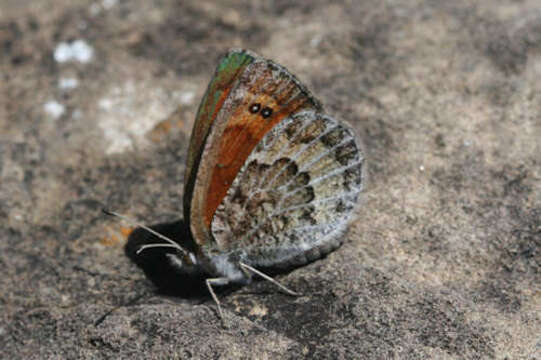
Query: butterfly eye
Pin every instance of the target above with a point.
(266, 112)
(254, 108)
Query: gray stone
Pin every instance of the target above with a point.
(443, 261)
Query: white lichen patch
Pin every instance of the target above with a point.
(77, 50)
(128, 112)
(54, 109)
(107, 4)
(68, 83)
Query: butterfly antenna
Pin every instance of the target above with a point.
(170, 243)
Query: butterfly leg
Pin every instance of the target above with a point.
(217, 282)
(268, 278)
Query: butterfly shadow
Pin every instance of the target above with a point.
(155, 263)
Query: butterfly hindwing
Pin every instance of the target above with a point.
(296, 192)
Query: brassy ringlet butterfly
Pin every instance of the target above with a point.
(271, 181)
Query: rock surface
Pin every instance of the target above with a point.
(97, 100)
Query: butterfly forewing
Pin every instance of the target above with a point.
(225, 77)
(263, 95)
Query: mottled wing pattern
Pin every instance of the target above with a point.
(263, 95)
(292, 199)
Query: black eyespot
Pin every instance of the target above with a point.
(254, 108)
(266, 112)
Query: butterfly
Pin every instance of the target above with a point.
(271, 181)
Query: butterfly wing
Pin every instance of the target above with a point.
(257, 97)
(294, 196)
(227, 72)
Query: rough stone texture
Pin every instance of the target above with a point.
(443, 261)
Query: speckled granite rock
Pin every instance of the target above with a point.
(97, 102)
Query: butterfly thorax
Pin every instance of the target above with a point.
(216, 263)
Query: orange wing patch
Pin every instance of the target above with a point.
(269, 98)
